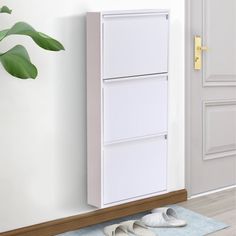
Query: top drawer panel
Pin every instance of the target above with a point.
(135, 44)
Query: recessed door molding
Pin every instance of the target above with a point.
(219, 141)
(219, 60)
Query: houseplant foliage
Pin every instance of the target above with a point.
(16, 61)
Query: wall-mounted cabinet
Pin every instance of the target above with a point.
(127, 97)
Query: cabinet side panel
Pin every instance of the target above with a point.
(94, 178)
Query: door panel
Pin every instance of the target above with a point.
(135, 45)
(135, 108)
(124, 169)
(219, 33)
(219, 140)
(213, 97)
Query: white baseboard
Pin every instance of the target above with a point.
(211, 192)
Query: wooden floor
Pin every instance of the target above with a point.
(220, 206)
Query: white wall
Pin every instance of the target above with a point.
(43, 122)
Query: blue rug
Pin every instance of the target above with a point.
(198, 225)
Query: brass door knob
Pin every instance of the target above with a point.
(198, 49)
(203, 48)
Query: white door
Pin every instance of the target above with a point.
(211, 96)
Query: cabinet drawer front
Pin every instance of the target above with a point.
(135, 45)
(135, 108)
(134, 169)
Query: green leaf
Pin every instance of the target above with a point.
(41, 39)
(5, 9)
(3, 34)
(17, 62)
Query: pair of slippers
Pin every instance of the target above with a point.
(160, 217)
(135, 227)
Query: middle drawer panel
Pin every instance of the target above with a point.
(135, 107)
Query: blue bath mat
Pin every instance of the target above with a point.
(198, 225)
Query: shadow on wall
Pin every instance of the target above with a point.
(70, 114)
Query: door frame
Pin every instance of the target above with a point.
(188, 68)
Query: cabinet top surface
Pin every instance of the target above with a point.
(143, 11)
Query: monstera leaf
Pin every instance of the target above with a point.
(17, 62)
(5, 9)
(41, 39)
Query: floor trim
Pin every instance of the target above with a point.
(212, 192)
(76, 222)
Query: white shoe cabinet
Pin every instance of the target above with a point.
(127, 100)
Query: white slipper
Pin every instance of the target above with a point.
(115, 230)
(171, 215)
(160, 219)
(137, 228)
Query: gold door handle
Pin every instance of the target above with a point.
(198, 48)
(202, 48)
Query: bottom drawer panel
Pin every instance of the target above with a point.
(134, 169)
